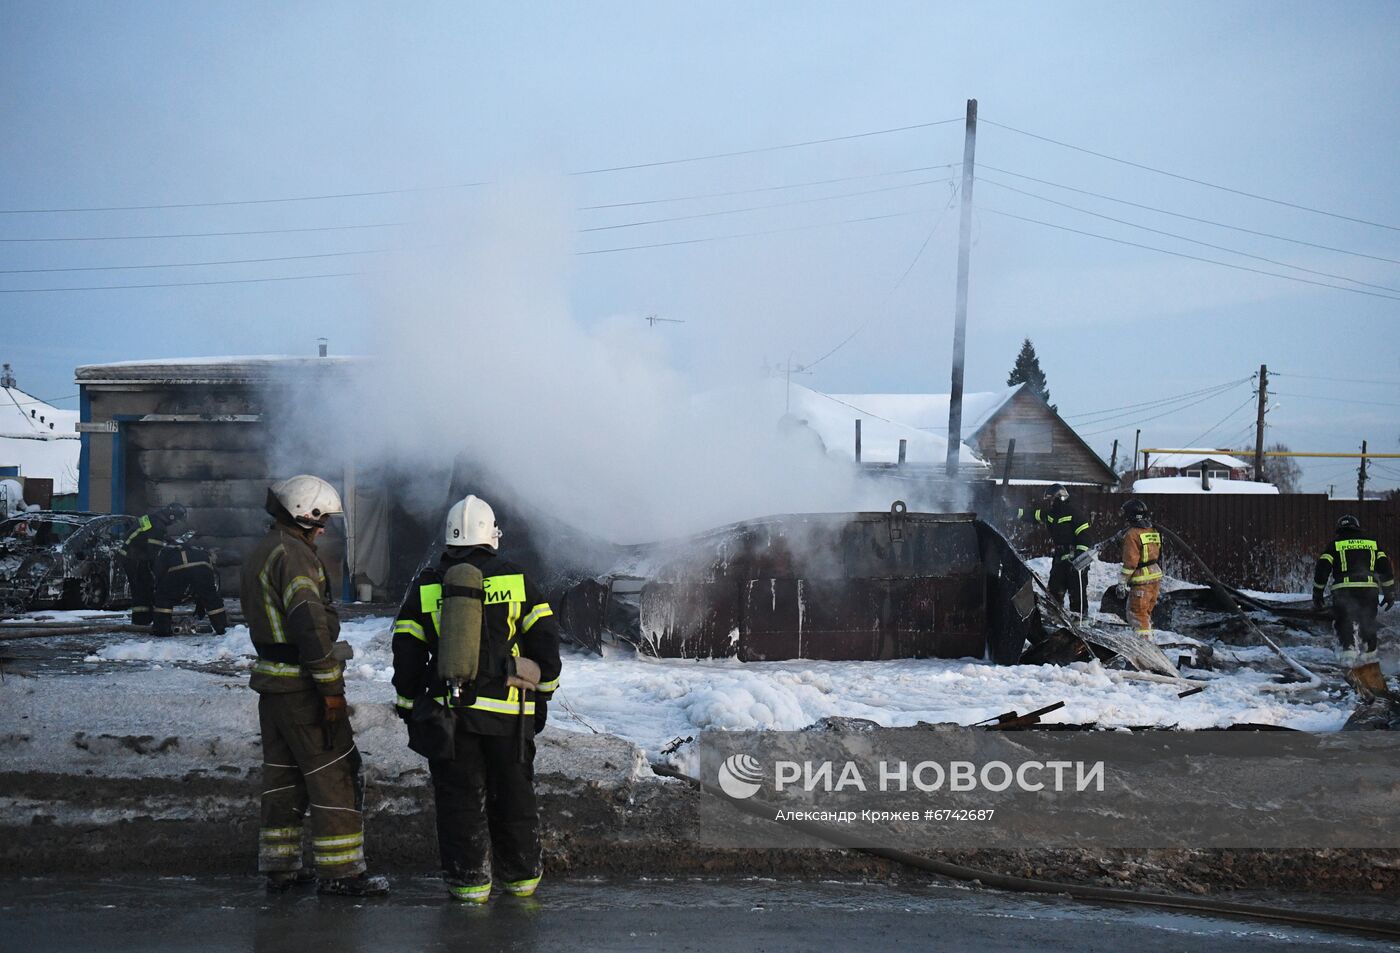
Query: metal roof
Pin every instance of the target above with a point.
(212, 370)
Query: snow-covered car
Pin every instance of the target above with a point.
(64, 560)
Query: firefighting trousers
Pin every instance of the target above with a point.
(487, 818)
(309, 765)
(1353, 616)
(1064, 580)
(143, 589)
(187, 583)
(1142, 599)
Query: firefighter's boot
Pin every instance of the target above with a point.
(283, 880)
(361, 885)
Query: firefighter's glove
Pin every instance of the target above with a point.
(1318, 602)
(335, 709)
(1121, 590)
(526, 674)
(1388, 598)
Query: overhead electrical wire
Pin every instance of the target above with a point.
(467, 185)
(758, 208)
(1189, 218)
(768, 188)
(1221, 422)
(1178, 254)
(1166, 413)
(1335, 380)
(1194, 241)
(183, 284)
(255, 231)
(199, 264)
(1194, 181)
(895, 287)
(770, 231)
(1339, 400)
(1126, 410)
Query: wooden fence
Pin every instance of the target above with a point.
(1249, 541)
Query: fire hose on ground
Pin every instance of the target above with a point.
(988, 878)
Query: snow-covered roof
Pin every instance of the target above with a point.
(1184, 484)
(39, 439)
(1191, 456)
(833, 418)
(208, 370)
(930, 411)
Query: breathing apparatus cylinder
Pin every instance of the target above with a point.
(459, 627)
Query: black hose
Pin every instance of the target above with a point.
(1247, 911)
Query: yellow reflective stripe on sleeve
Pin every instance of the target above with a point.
(1063, 519)
(549, 686)
(1325, 557)
(507, 588)
(274, 613)
(328, 676)
(409, 627)
(401, 702)
(264, 667)
(536, 614)
(501, 706)
(300, 582)
(1080, 528)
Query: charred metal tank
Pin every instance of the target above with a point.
(832, 586)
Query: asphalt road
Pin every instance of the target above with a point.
(753, 916)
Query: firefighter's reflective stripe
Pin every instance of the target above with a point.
(1062, 519)
(342, 849)
(522, 888)
(331, 675)
(409, 627)
(280, 844)
(1356, 584)
(430, 601)
(1147, 569)
(263, 667)
(507, 588)
(274, 614)
(476, 893)
(142, 525)
(1366, 546)
(401, 702)
(535, 615)
(549, 686)
(189, 565)
(295, 586)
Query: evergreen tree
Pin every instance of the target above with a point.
(1027, 370)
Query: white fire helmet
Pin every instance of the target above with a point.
(471, 522)
(308, 499)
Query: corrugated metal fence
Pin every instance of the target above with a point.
(1250, 542)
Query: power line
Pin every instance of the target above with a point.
(1194, 241)
(181, 284)
(756, 208)
(1339, 400)
(766, 188)
(749, 152)
(895, 287)
(1195, 441)
(1175, 410)
(256, 231)
(1186, 178)
(467, 185)
(198, 264)
(1338, 380)
(1156, 401)
(1178, 254)
(771, 231)
(1191, 218)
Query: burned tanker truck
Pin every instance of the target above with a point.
(830, 586)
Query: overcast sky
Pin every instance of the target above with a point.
(139, 104)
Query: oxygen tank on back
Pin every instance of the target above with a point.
(459, 627)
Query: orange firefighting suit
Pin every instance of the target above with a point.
(1142, 572)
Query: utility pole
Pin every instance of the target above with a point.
(789, 370)
(1259, 424)
(1113, 459)
(960, 311)
(1137, 439)
(1361, 476)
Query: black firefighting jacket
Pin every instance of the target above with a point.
(515, 621)
(146, 541)
(1067, 527)
(1353, 561)
(291, 618)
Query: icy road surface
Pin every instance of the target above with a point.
(168, 914)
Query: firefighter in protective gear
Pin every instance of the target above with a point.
(483, 780)
(309, 754)
(1141, 581)
(1069, 536)
(139, 554)
(1358, 571)
(183, 573)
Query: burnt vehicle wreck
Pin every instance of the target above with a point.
(63, 560)
(830, 586)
